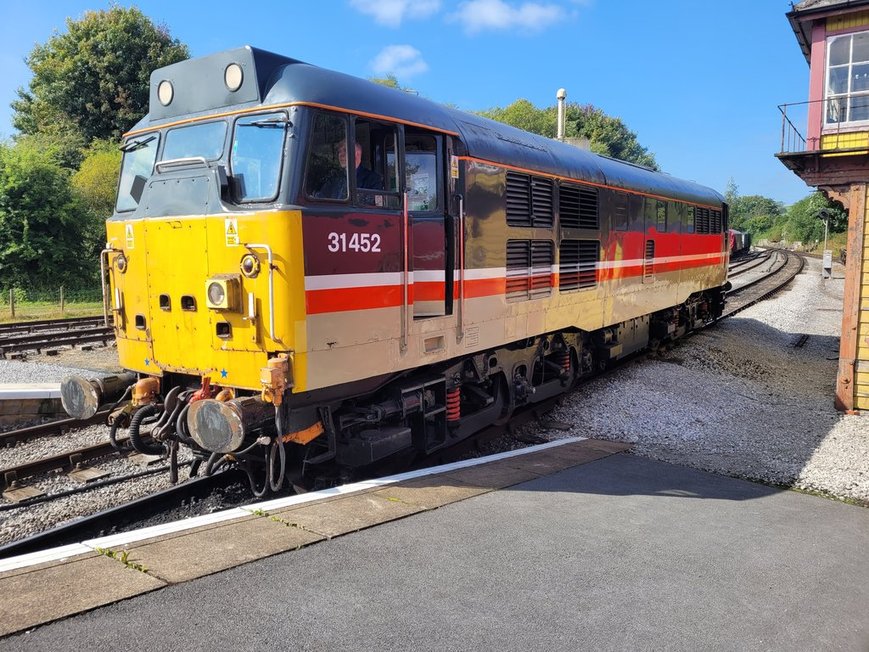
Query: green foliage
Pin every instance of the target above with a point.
(606, 135)
(96, 74)
(390, 81)
(522, 114)
(767, 219)
(43, 224)
(803, 223)
(753, 213)
(96, 180)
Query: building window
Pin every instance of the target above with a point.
(847, 90)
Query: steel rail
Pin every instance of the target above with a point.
(794, 264)
(62, 461)
(44, 341)
(48, 324)
(126, 516)
(57, 427)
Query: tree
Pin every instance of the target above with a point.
(803, 222)
(606, 135)
(96, 180)
(43, 225)
(522, 114)
(95, 77)
(753, 213)
(731, 194)
(95, 183)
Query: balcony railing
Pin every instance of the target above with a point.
(837, 123)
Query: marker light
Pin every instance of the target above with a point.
(250, 266)
(233, 76)
(165, 92)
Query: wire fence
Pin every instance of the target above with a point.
(30, 303)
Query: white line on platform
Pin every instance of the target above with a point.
(126, 538)
(42, 556)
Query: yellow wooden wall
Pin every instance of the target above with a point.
(850, 141)
(861, 367)
(848, 21)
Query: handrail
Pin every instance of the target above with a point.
(405, 225)
(250, 247)
(104, 257)
(180, 162)
(815, 113)
(461, 237)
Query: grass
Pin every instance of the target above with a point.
(122, 556)
(35, 310)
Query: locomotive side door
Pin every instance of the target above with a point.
(431, 259)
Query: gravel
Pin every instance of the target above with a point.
(740, 399)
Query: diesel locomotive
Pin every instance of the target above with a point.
(309, 273)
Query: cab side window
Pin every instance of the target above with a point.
(326, 172)
(376, 182)
(421, 171)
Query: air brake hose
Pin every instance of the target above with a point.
(135, 438)
(276, 484)
(113, 438)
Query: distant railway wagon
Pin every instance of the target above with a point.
(739, 242)
(309, 273)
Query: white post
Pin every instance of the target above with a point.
(561, 95)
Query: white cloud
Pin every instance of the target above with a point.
(403, 61)
(392, 12)
(478, 15)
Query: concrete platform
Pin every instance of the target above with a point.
(23, 401)
(185, 550)
(595, 550)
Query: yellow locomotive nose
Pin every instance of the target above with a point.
(197, 298)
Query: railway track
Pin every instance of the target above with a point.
(43, 325)
(782, 271)
(45, 337)
(748, 262)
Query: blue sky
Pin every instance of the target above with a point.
(698, 81)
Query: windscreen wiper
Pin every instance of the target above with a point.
(267, 122)
(133, 145)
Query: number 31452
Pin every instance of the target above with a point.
(364, 242)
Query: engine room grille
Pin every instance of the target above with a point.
(541, 202)
(529, 269)
(542, 259)
(702, 221)
(529, 200)
(649, 261)
(578, 207)
(577, 266)
(715, 221)
(518, 199)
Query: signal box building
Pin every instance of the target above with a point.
(825, 141)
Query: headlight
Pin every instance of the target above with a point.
(121, 263)
(223, 292)
(216, 294)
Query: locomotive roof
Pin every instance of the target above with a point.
(271, 79)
